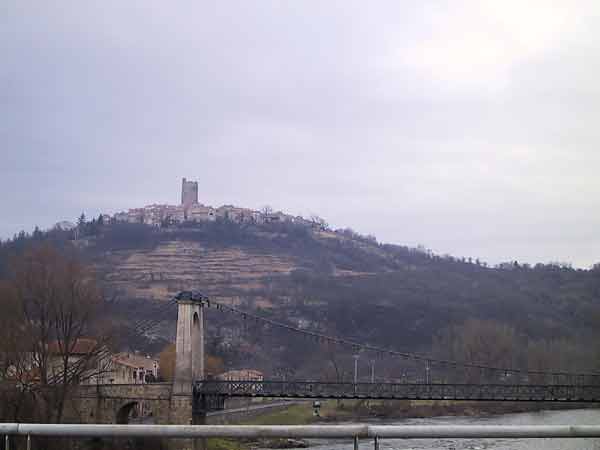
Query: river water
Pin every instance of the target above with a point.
(572, 417)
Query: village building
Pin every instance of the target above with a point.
(135, 215)
(101, 367)
(120, 217)
(278, 217)
(174, 214)
(201, 213)
(85, 352)
(131, 368)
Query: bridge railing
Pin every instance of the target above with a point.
(308, 389)
(350, 431)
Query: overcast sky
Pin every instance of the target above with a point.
(469, 127)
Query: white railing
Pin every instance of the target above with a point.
(355, 432)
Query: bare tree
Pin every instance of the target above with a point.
(334, 358)
(15, 362)
(479, 342)
(58, 300)
(558, 355)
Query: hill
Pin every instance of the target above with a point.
(343, 284)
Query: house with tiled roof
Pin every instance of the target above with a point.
(131, 368)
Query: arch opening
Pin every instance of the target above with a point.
(195, 319)
(127, 412)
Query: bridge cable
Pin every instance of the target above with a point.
(383, 351)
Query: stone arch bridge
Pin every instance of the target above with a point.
(114, 403)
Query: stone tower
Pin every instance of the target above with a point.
(189, 193)
(189, 360)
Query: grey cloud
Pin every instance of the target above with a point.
(327, 107)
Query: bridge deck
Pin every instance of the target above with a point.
(397, 391)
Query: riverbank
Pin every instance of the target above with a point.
(403, 409)
(363, 410)
(360, 411)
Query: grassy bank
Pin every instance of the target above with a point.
(360, 410)
(357, 410)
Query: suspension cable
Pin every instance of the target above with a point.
(385, 351)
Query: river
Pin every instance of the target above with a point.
(578, 417)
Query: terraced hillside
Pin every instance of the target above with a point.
(177, 265)
(227, 265)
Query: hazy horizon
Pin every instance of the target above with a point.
(466, 127)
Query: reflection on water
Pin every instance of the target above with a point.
(573, 417)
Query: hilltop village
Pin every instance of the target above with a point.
(190, 210)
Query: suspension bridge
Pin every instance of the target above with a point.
(191, 395)
(495, 383)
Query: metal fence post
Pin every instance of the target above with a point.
(28, 442)
(355, 442)
(6, 443)
(375, 443)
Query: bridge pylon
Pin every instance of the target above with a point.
(189, 347)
